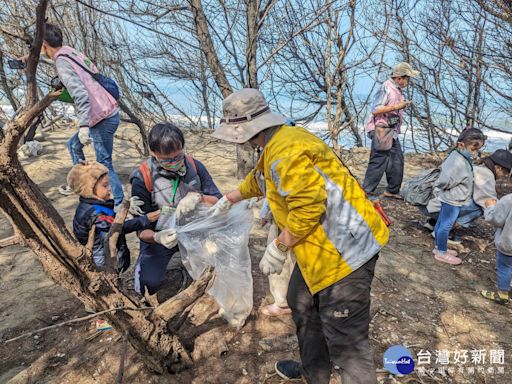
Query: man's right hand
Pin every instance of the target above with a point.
(83, 136)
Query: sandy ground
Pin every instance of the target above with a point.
(430, 307)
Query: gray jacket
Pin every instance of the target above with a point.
(484, 188)
(455, 182)
(500, 215)
(76, 89)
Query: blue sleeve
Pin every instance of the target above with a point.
(137, 224)
(208, 187)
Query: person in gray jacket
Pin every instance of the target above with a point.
(455, 185)
(499, 214)
(96, 108)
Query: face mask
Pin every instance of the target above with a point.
(469, 154)
(176, 165)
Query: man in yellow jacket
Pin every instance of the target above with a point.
(329, 224)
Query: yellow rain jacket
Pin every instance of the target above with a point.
(312, 194)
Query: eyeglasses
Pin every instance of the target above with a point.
(180, 157)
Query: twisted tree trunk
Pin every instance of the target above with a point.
(67, 262)
(244, 161)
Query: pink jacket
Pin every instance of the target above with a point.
(388, 94)
(97, 104)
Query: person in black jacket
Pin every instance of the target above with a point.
(175, 183)
(91, 182)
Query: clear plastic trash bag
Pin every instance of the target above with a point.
(221, 241)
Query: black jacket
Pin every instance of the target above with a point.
(100, 213)
(208, 187)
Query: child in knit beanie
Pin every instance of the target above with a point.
(89, 180)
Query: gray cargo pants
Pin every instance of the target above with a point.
(391, 163)
(332, 327)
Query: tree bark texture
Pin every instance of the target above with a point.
(243, 154)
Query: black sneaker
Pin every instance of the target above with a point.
(288, 369)
(454, 239)
(430, 224)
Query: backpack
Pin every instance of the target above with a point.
(418, 190)
(145, 171)
(106, 82)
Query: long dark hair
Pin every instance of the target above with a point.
(487, 161)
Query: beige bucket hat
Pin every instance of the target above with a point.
(404, 69)
(245, 114)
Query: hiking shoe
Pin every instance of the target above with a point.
(65, 190)
(288, 369)
(430, 224)
(495, 296)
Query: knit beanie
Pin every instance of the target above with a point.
(503, 158)
(83, 177)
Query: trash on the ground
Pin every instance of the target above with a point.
(30, 149)
(102, 325)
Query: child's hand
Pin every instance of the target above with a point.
(490, 202)
(153, 216)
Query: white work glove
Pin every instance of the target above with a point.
(273, 259)
(83, 136)
(168, 238)
(252, 202)
(220, 206)
(135, 206)
(188, 204)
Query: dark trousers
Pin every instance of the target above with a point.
(391, 163)
(151, 267)
(332, 327)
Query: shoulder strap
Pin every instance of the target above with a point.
(146, 175)
(77, 63)
(192, 162)
(146, 172)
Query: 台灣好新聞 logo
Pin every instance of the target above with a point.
(398, 360)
